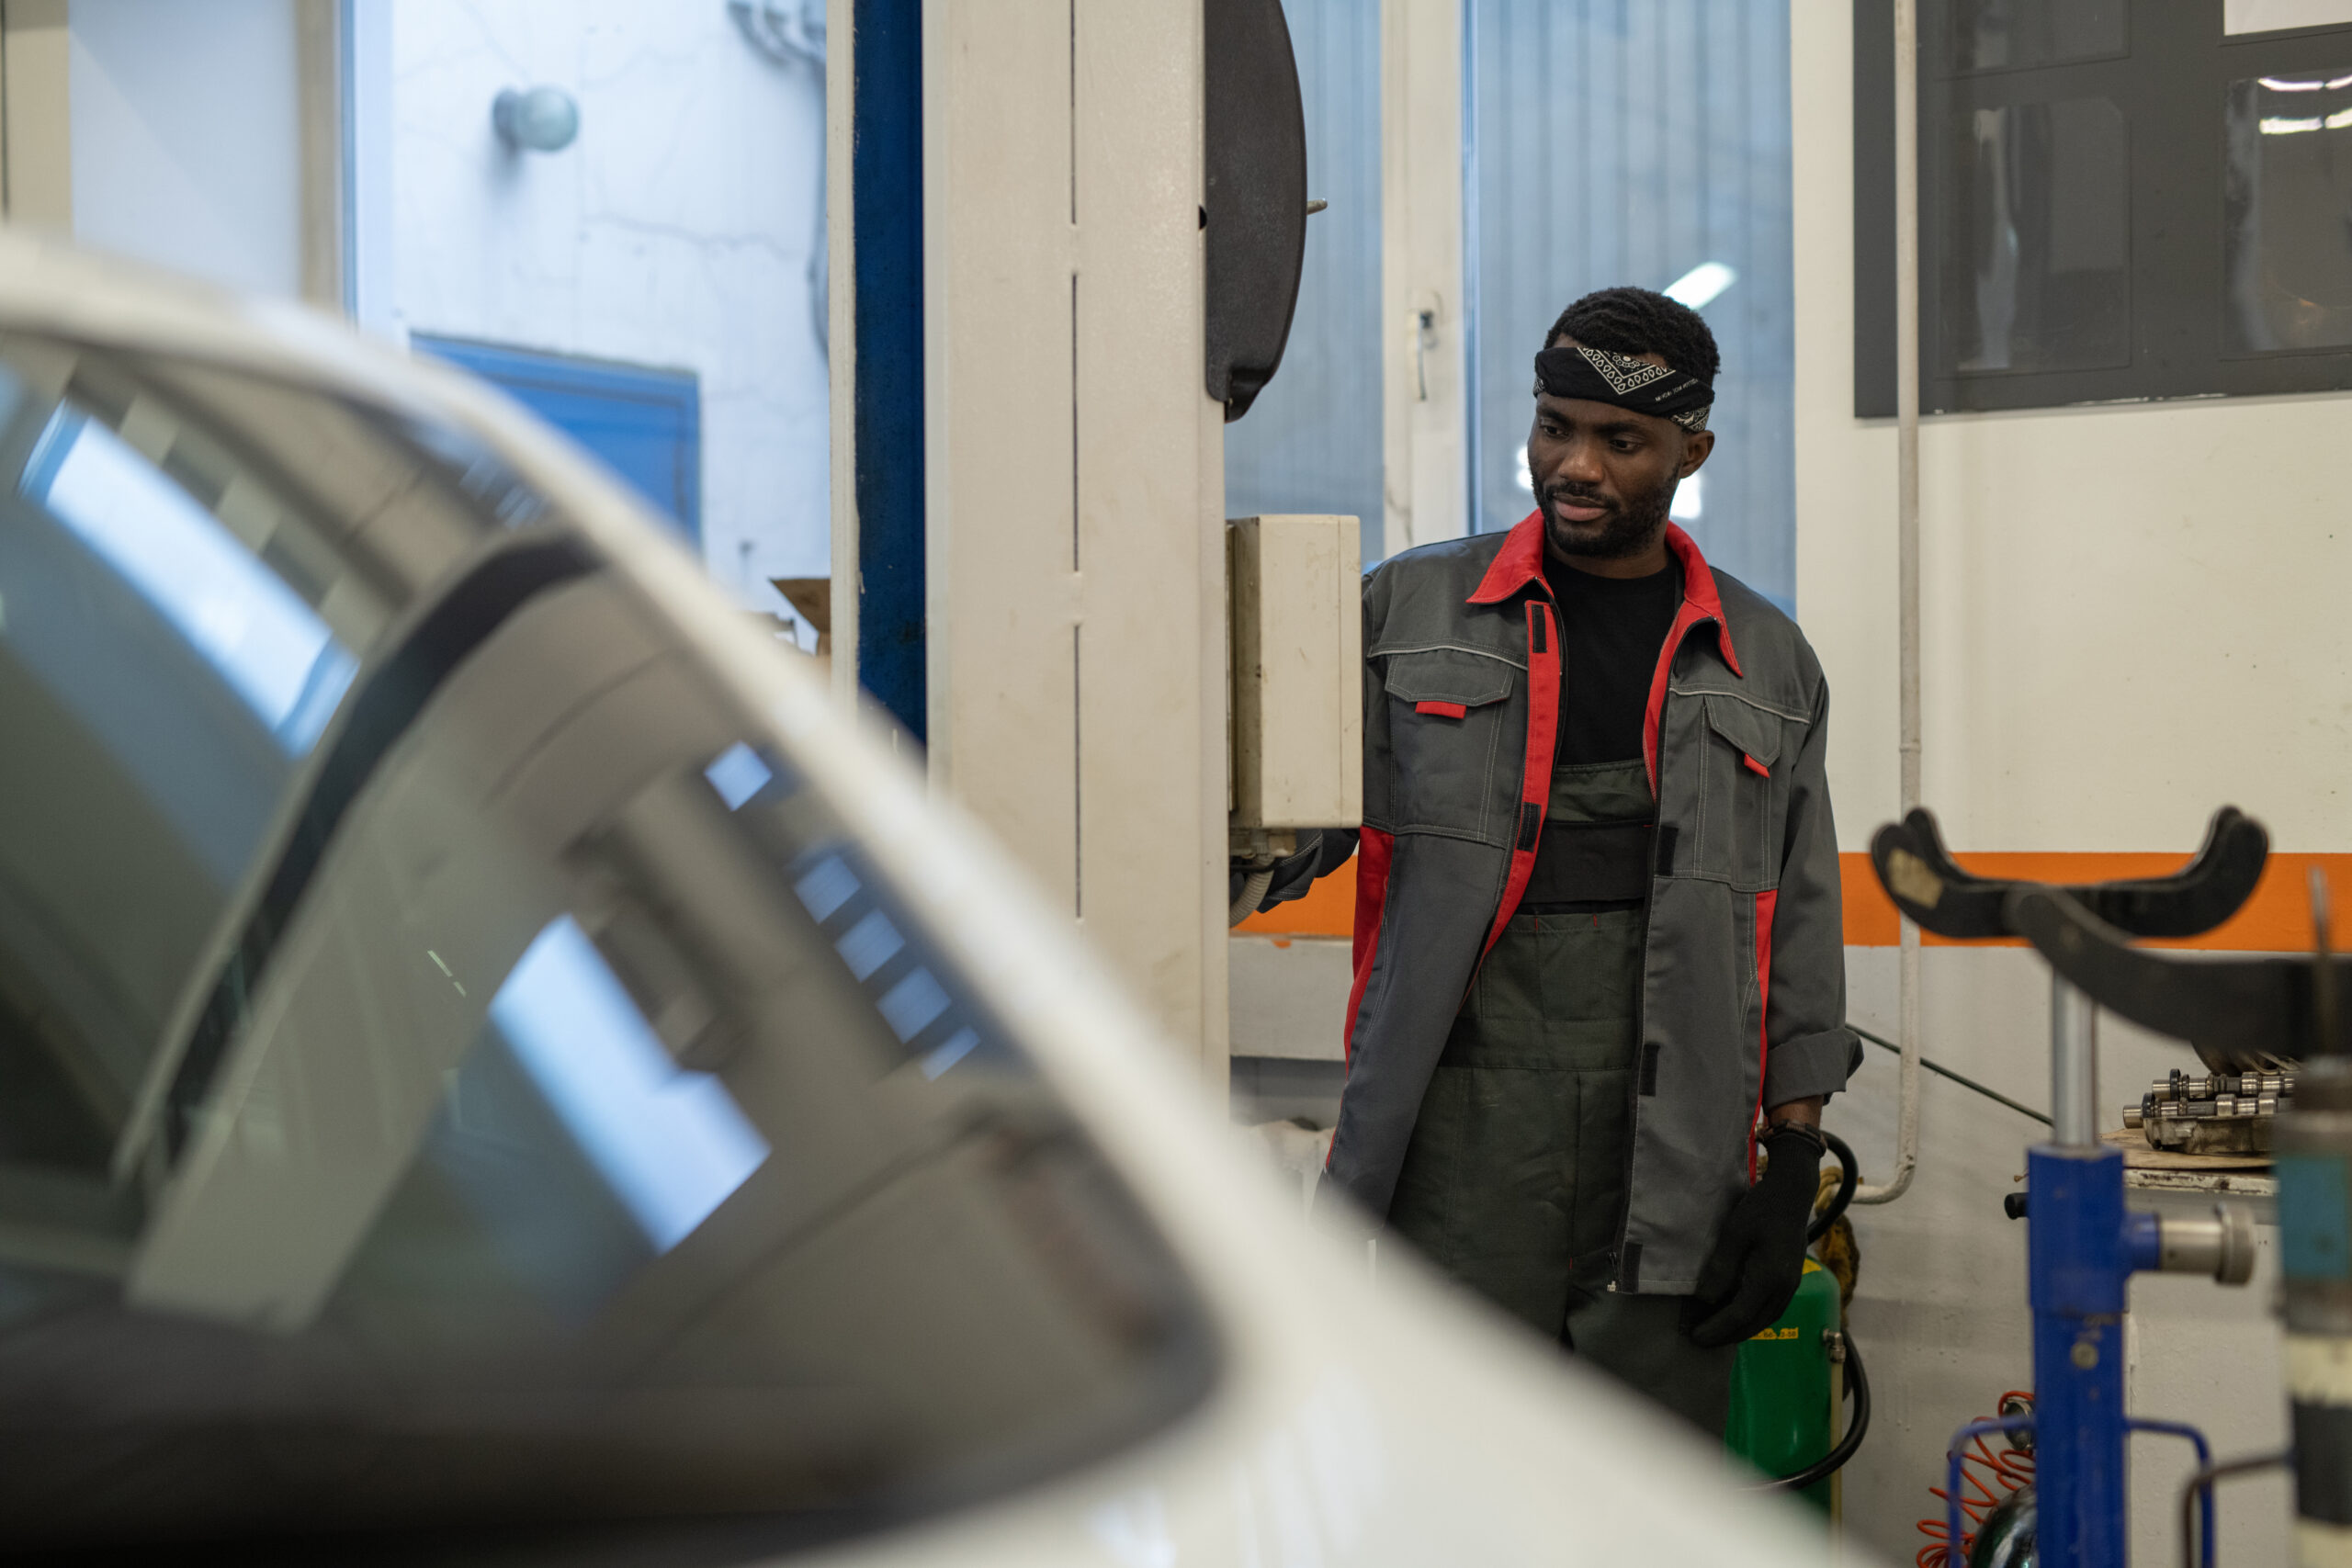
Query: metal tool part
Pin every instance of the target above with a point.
(2221, 1246)
(2217, 1113)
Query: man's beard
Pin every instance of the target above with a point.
(1626, 530)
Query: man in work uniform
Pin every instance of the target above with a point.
(1599, 954)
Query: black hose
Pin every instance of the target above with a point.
(1845, 1193)
(1857, 1383)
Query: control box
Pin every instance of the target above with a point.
(1294, 586)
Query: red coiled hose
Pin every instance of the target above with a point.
(1981, 1467)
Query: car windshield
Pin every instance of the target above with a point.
(473, 1085)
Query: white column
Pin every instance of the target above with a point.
(36, 113)
(1421, 286)
(1075, 489)
(318, 46)
(840, 337)
(369, 259)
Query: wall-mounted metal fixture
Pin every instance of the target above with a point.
(792, 34)
(784, 30)
(542, 119)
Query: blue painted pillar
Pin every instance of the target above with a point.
(886, 216)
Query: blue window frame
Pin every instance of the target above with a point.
(645, 424)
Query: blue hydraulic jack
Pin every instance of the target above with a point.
(2083, 1246)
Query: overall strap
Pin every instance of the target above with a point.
(1535, 773)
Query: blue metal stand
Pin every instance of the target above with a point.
(2083, 1247)
(2082, 1250)
(2078, 1264)
(1954, 1456)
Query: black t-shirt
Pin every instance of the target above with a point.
(1610, 631)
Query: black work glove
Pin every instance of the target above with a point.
(1759, 1255)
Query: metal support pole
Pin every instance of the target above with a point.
(2074, 1067)
(1907, 534)
(2080, 1267)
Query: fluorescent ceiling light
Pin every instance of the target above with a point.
(1701, 284)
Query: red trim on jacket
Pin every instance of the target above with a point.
(1766, 904)
(1699, 589)
(1521, 562)
(1535, 772)
(1518, 563)
(1444, 710)
(1700, 606)
(1373, 849)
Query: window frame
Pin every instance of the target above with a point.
(664, 407)
(2171, 84)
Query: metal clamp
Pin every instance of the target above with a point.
(2221, 1247)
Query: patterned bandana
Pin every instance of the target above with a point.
(1602, 377)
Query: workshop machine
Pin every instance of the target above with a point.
(2083, 1246)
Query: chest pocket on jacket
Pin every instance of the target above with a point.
(1744, 795)
(1446, 739)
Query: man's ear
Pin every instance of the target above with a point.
(1695, 450)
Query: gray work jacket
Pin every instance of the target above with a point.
(1744, 968)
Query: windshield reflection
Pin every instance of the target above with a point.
(272, 648)
(672, 1144)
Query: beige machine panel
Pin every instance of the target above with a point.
(1297, 586)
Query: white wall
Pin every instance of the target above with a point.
(185, 137)
(2131, 611)
(2131, 615)
(675, 232)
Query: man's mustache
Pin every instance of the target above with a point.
(1562, 495)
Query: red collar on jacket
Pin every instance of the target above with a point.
(1521, 562)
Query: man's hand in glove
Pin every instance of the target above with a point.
(1759, 1255)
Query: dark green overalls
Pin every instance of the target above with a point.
(1515, 1180)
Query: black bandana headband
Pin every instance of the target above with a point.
(1602, 377)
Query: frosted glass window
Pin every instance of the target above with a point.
(1590, 168)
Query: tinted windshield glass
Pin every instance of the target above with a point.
(177, 632)
(579, 1133)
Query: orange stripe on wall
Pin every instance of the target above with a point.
(2275, 920)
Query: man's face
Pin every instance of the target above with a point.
(1604, 476)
